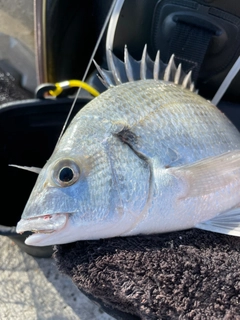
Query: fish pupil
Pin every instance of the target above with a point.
(66, 174)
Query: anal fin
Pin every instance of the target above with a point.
(226, 223)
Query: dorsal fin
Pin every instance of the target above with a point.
(146, 68)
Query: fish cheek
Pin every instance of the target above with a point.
(130, 178)
(93, 189)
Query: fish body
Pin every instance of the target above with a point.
(146, 156)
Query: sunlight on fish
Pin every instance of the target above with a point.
(147, 156)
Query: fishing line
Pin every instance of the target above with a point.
(226, 82)
(112, 29)
(88, 66)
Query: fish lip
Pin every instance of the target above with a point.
(42, 231)
(44, 224)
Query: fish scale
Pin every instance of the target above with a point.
(146, 156)
(174, 122)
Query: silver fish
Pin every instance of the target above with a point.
(146, 156)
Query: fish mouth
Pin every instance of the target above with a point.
(44, 224)
(41, 231)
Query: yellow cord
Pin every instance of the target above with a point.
(60, 86)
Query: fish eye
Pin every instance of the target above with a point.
(65, 173)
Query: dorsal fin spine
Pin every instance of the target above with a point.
(156, 68)
(128, 66)
(132, 70)
(143, 64)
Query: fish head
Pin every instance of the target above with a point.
(88, 190)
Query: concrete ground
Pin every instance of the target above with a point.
(16, 20)
(33, 289)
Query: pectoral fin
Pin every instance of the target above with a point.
(210, 195)
(210, 175)
(226, 223)
(31, 169)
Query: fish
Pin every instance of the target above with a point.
(148, 155)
